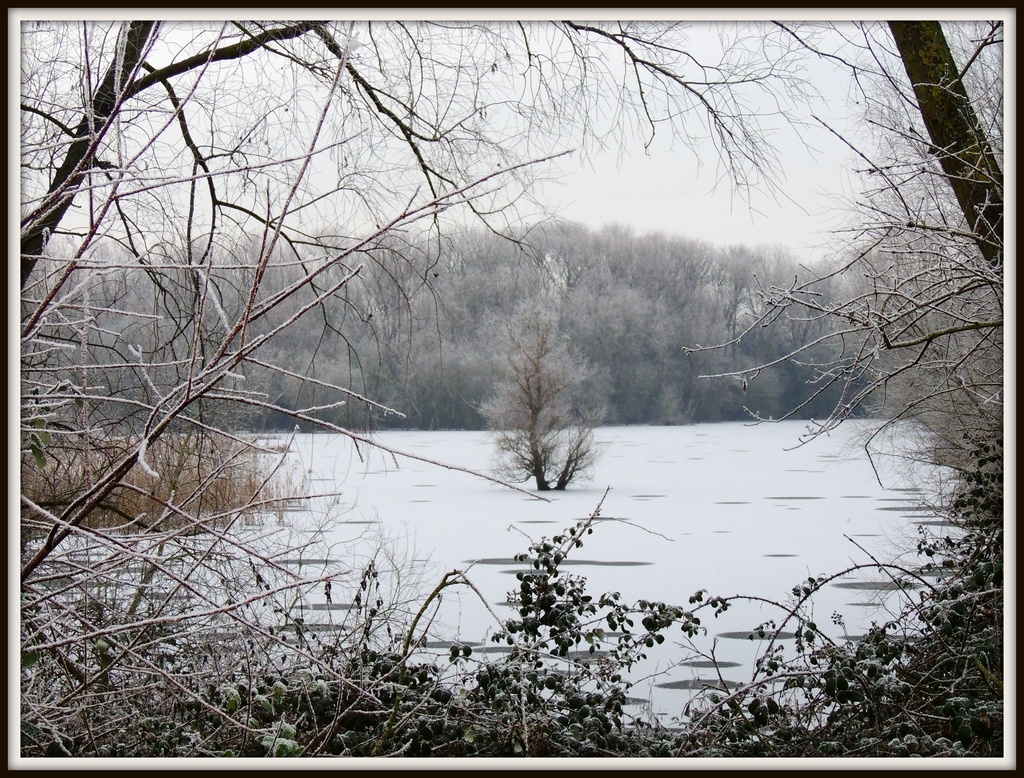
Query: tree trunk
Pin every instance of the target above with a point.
(955, 132)
(115, 87)
(539, 475)
(79, 158)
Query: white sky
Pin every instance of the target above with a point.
(666, 190)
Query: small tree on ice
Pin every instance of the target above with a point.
(543, 429)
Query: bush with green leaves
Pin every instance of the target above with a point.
(928, 682)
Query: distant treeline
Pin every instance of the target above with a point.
(418, 332)
(414, 338)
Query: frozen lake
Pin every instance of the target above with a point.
(730, 508)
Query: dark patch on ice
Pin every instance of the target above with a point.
(587, 654)
(314, 627)
(751, 635)
(446, 644)
(697, 683)
(876, 586)
(495, 649)
(328, 606)
(597, 563)
(574, 563)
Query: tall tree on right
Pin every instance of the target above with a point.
(916, 298)
(916, 314)
(958, 139)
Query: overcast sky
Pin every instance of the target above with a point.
(670, 189)
(667, 189)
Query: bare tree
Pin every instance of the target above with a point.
(914, 311)
(957, 136)
(543, 429)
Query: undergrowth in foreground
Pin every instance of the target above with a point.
(928, 682)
